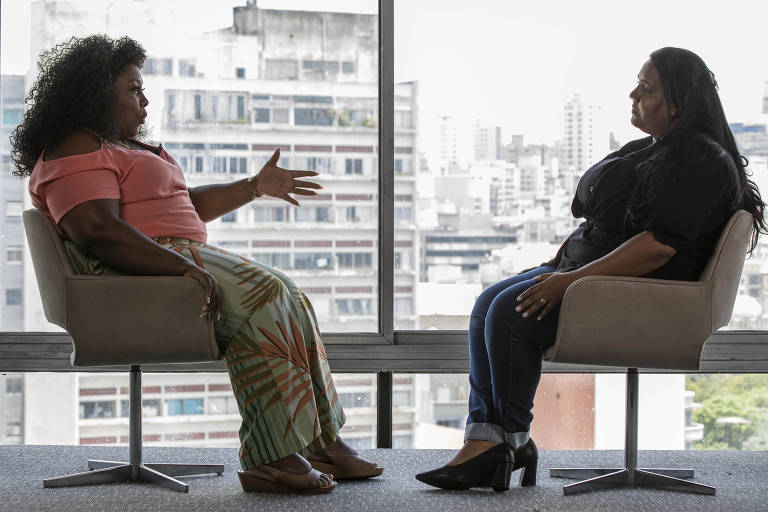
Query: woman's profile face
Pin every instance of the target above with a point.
(130, 102)
(649, 106)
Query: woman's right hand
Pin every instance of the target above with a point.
(212, 306)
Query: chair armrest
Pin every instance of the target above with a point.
(616, 321)
(119, 320)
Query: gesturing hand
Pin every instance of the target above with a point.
(278, 182)
(545, 295)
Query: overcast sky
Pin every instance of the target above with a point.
(515, 63)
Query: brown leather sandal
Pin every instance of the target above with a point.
(269, 479)
(344, 466)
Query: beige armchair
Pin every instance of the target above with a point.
(117, 321)
(635, 322)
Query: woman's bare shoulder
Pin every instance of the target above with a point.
(77, 143)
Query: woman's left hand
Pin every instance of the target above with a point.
(278, 182)
(544, 296)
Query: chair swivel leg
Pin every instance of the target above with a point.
(106, 471)
(630, 475)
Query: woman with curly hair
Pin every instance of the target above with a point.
(123, 207)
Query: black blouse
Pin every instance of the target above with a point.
(684, 198)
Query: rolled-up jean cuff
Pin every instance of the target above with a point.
(494, 433)
(484, 432)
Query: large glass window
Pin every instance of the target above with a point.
(483, 180)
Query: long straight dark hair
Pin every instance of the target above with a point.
(691, 88)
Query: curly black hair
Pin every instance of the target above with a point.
(73, 90)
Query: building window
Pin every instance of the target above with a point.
(222, 405)
(353, 166)
(270, 214)
(238, 165)
(101, 409)
(13, 254)
(399, 165)
(313, 117)
(229, 217)
(214, 107)
(322, 214)
(281, 116)
(261, 115)
(310, 214)
(13, 297)
(353, 306)
(219, 164)
(352, 400)
(401, 398)
(354, 259)
(330, 66)
(155, 66)
(239, 72)
(241, 108)
(275, 259)
(347, 67)
(198, 106)
(403, 214)
(187, 67)
(311, 260)
(319, 164)
(150, 408)
(184, 406)
(198, 164)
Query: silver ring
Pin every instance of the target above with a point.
(543, 301)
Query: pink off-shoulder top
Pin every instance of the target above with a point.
(153, 194)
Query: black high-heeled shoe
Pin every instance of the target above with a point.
(492, 468)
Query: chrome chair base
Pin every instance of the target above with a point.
(107, 471)
(630, 475)
(669, 479)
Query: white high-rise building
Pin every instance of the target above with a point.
(487, 142)
(221, 103)
(585, 140)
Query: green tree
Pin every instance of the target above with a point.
(724, 397)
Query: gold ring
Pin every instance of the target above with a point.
(543, 301)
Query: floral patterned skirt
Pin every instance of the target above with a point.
(275, 358)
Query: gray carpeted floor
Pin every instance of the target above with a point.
(741, 479)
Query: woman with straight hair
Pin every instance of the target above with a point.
(654, 208)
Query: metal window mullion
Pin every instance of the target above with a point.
(386, 166)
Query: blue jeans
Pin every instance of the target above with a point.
(505, 352)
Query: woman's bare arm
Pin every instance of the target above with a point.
(96, 227)
(213, 201)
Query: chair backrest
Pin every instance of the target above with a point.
(723, 270)
(51, 264)
(118, 320)
(652, 323)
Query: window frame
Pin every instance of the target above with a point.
(385, 350)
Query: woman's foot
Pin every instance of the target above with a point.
(343, 461)
(471, 449)
(290, 475)
(485, 464)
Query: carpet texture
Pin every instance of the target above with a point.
(741, 479)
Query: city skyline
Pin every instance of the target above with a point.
(570, 55)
